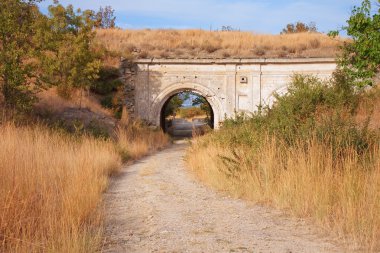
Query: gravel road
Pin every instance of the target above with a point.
(155, 205)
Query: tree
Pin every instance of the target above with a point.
(360, 58)
(203, 104)
(299, 27)
(105, 18)
(228, 28)
(17, 53)
(68, 58)
(173, 105)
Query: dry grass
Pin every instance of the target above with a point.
(343, 195)
(51, 185)
(135, 140)
(204, 44)
(49, 99)
(369, 108)
(50, 189)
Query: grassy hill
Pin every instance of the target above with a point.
(205, 44)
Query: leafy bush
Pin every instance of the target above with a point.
(307, 154)
(98, 130)
(107, 102)
(311, 107)
(108, 81)
(118, 112)
(299, 27)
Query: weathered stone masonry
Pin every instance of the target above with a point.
(230, 86)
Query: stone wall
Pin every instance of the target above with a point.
(128, 72)
(230, 86)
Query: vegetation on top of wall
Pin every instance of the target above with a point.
(299, 27)
(215, 44)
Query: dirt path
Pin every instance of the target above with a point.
(156, 206)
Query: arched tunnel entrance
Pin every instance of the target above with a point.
(185, 114)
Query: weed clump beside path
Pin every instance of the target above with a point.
(135, 140)
(311, 154)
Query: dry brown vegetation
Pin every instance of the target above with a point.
(135, 140)
(50, 188)
(52, 182)
(369, 108)
(205, 44)
(341, 194)
(328, 170)
(50, 100)
(80, 113)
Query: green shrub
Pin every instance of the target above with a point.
(118, 112)
(108, 81)
(97, 129)
(311, 108)
(107, 101)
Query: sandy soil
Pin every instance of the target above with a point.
(156, 205)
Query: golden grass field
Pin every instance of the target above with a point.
(205, 44)
(51, 185)
(341, 195)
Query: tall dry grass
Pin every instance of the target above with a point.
(341, 193)
(314, 153)
(51, 186)
(135, 140)
(51, 101)
(205, 44)
(369, 107)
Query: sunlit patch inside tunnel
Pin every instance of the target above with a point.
(187, 114)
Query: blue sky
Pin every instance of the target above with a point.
(262, 16)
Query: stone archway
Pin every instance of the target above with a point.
(229, 85)
(170, 91)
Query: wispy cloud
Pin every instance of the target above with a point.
(254, 15)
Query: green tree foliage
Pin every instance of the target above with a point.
(312, 108)
(105, 18)
(17, 53)
(361, 57)
(299, 27)
(174, 104)
(68, 59)
(228, 28)
(108, 81)
(203, 104)
(37, 49)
